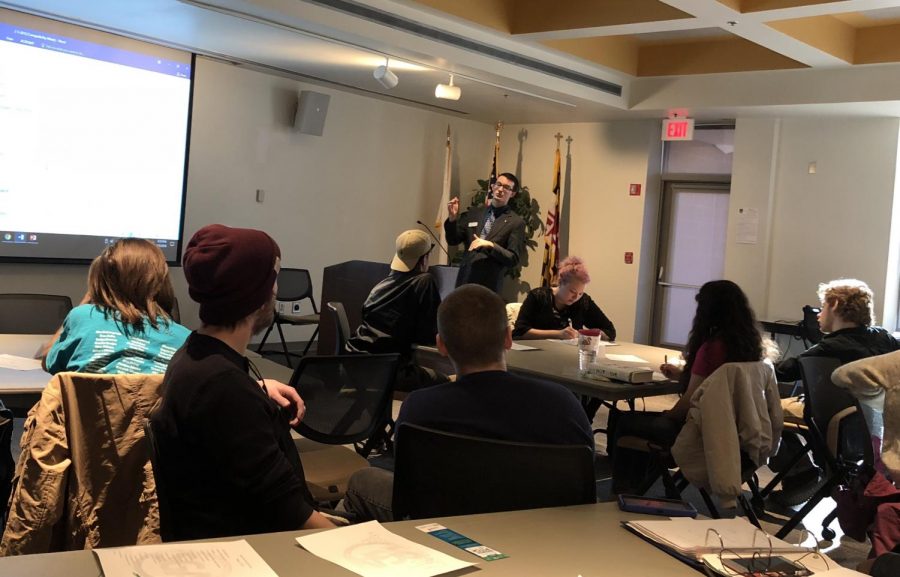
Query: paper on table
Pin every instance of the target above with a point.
(370, 550)
(626, 359)
(520, 347)
(19, 363)
(222, 559)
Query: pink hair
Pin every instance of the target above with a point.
(572, 268)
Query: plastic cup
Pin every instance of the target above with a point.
(588, 344)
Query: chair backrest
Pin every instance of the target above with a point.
(445, 276)
(512, 313)
(341, 327)
(438, 474)
(162, 495)
(828, 405)
(7, 464)
(346, 396)
(32, 314)
(295, 284)
(176, 310)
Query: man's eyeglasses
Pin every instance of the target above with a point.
(506, 187)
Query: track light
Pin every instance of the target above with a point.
(385, 76)
(447, 91)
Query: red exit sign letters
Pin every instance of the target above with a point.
(678, 129)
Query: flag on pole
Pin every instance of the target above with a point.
(550, 268)
(439, 256)
(493, 178)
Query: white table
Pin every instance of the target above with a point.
(566, 541)
(558, 362)
(20, 390)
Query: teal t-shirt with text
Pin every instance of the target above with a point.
(92, 342)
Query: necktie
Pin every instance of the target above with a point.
(488, 224)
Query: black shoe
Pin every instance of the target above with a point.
(798, 489)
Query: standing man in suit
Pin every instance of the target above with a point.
(494, 235)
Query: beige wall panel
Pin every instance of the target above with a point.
(618, 52)
(732, 55)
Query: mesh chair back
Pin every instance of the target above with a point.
(162, 495)
(176, 311)
(295, 284)
(438, 474)
(824, 400)
(7, 465)
(346, 396)
(32, 314)
(342, 327)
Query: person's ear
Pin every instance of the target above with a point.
(441, 347)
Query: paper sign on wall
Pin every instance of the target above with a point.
(747, 226)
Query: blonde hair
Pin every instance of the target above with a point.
(131, 277)
(572, 268)
(854, 299)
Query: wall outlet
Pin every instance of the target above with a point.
(295, 308)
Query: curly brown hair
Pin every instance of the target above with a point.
(855, 300)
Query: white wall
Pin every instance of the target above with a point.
(604, 221)
(342, 196)
(814, 227)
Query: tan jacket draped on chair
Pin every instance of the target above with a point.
(870, 377)
(84, 479)
(737, 408)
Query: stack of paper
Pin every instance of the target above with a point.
(692, 538)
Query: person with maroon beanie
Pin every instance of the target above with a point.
(226, 456)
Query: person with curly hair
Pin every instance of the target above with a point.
(846, 318)
(558, 312)
(724, 331)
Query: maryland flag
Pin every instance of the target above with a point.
(550, 268)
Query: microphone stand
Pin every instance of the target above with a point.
(436, 239)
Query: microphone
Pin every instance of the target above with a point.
(436, 239)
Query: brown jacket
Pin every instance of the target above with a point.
(872, 377)
(84, 479)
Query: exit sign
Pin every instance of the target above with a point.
(678, 129)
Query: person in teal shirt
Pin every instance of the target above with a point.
(123, 325)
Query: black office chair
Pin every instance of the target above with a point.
(342, 327)
(176, 311)
(438, 474)
(7, 464)
(294, 285)
(348, 399)
(838, 435)
(32, 314)
(162, 495)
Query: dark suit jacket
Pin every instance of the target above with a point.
(486, 266)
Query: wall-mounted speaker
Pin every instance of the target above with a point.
(312, 107)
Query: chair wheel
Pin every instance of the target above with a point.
(828, 534)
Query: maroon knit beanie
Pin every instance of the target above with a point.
(230, 271)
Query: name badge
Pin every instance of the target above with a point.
(473, 224)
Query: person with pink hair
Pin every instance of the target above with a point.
(558, 312)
